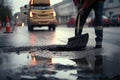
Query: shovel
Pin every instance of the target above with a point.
(79, 41)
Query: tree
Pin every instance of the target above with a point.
(5, 10)
(1, 2)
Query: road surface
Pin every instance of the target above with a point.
(104, 62)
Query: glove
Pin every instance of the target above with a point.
(81, 11)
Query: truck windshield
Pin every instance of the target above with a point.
(41, 7)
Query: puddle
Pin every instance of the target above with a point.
(51, 66)
(27, 64)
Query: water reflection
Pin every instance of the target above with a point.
(34, 60)
(32, 39)
(63, 68)
(90, 67)
(88, 73)
(50, 67)
(98, 68)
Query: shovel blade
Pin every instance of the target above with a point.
(78, 41)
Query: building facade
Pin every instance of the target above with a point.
(112, 7)
(64, 10)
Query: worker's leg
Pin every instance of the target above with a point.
(98, 23)
(82, 21)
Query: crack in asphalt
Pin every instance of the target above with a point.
(48, 47)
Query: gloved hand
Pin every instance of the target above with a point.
(81, 11)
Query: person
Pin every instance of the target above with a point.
(84, 7)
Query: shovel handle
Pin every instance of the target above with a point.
(78, 24)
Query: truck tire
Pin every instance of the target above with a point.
(54, 28)
(30, 28)
(49, 28)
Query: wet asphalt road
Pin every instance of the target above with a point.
(32, 63)
(22, 37)
(41, 36)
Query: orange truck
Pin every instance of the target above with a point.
(41, 14)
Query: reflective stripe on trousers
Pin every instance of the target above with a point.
(99, 34)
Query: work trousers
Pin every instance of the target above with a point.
(98, 22)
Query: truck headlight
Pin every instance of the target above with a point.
(54, 13)
(31, 14)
